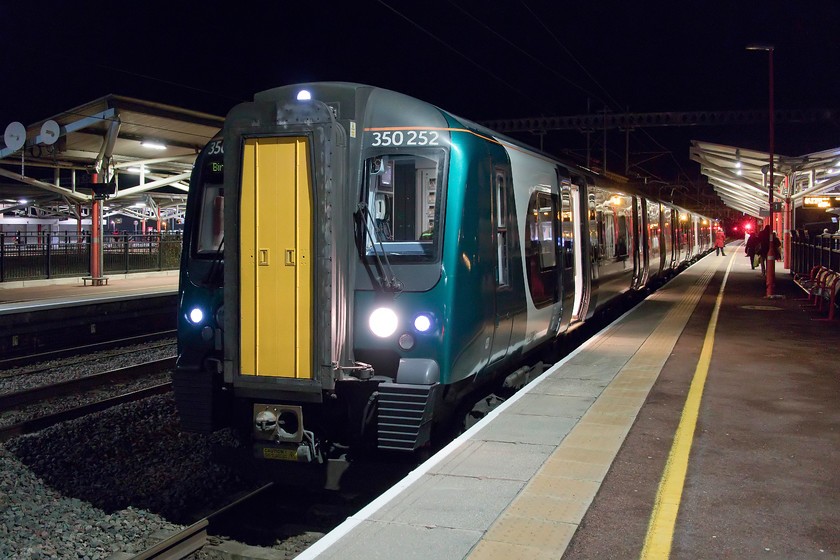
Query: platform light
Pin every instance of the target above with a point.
(196, 315)
(383, 322)
(304, 95)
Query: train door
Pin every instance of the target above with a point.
(505, 301)
(639, 253)
(568, 249)
(654, 245)
(668, 237)
(276, 247)
(580, 200)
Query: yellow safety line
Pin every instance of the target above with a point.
(664, 516)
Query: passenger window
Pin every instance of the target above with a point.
(542, 225)
(568, 227)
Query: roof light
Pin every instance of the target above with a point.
(152, 145)
(304, 95)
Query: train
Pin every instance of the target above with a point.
(357, 262)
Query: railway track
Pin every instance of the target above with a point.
(86, 349)
(35, 395)
(193, 538)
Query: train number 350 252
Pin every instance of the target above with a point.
(405, 138)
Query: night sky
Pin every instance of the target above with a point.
(482, 60)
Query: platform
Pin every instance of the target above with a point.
(571, 466)
(19, 295)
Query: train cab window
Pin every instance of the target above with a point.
(403, 195)
(211, 228)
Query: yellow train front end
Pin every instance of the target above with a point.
(284, 275)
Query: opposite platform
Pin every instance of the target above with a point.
(20, 295)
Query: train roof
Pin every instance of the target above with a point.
(348, 99)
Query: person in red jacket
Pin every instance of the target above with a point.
(720, 241)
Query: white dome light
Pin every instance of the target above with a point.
(383, 322)
(304, 95)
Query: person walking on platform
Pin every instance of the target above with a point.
(767, 241)
(720, 241)
(749, 249)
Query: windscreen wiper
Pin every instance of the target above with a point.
(217, 258)
(387, 279)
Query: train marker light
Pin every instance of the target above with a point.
(422, 323)
(196, 315)
(304, 95)
(383, 322)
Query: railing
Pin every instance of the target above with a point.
(32, 256)
(808, 251)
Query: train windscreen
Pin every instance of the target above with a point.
(403, 196)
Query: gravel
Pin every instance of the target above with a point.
(108, 482)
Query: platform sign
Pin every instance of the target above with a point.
(821, 202)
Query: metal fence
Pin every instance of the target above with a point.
(808, 251)
(32, 256)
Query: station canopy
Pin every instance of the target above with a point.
(145, 149)
(739, 176)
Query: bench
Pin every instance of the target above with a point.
(808, 281)
(95, 281)
(822, 284)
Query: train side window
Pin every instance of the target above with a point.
(211, 230)
(568, 227)
(502, 266)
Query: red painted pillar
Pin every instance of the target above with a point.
(96, 239)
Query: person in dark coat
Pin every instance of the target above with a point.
(720, 241)
(752, 241)
(764, 245)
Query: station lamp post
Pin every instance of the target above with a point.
(771, 257)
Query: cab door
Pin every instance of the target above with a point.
(276, 248)
(504, 297)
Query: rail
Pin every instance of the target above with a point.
(44, 392)
(36, 424)
(185, 542)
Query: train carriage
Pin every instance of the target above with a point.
(357, 262)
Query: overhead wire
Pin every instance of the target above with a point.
(527, 54)
(459, 53)
(616, 106)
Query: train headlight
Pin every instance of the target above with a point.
(304, 95)
(423, 323)
(196, 315)
(383, 322)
